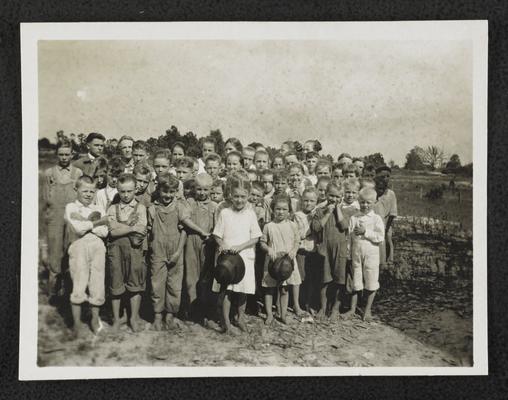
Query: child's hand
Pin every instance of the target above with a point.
(272, 254)
(235, 249)
(292, 254)
(78, 217)
(132, 220)
(329, 208)
(359, 230)
(174, 258)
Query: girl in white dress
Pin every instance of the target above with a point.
(237, 230)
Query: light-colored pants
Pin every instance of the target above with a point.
(87, 260)
(365, 262)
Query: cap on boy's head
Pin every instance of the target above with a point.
(383, 168)
(204, 180)
(94, 135)
(367, 193)
(167, 181)
(84, 179)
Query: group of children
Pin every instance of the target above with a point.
(157, 222)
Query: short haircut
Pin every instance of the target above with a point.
(178, 144)
(261, 152)
(249, 149)
(325, 179)
(208, 139)
(336, 166)
(281, 198)
(125, 178)
(322, 163)
(333, 185)
(258, 186)
(140, 145)
(290, 153)
(368, 193)
(189, 184)
(383, 168)
(280, 175)
(65, 143)
(311, 154)
(358, 159)
(310, 189)
(102, 163)
(351, 183)
(219, 182)
(204, 180)
(235, 142)
(167, 181)
(296, 166)
(142, 169)
(185, 162)
(236, 181)
(234, 154)
(94, 135)
(125, 137)
(351, 168)
(265, 172)
(213, 157)
(116, 166)
(84, 179)
(162, 153)
(344, 155)
(369, 168)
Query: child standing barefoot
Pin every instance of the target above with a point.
(237, 230)
(280, 237)
(367, 232)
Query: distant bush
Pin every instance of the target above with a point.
(435, 192)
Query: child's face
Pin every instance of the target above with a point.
(177, 153)
(126, 191)
(261, 162)
(311, 164)
(290, 160)
(337, 176)
(95, 147)
(333, 196)
(281, 211)
(256, 196)
(349, 174)
(188, 192)
(308, 146)
(284, 148)
(350, 195)
(112, 179)
(86, 193)
(295, 177)
(100, 177)
(161, 165)
(183, 173)
(216, 194)
(233, 164)
(239, 198)
(64, 155)
(212, 168)
(202, 192)
(228, 148)
(208, 148)
(139, 155)
(323, 171)
(126, 149)
(248, 158)
(321, 188)
(142, 182)
(267, 181)
(309, 202)
(366, 204)
(278, 162)
(359, 165)
(368, 174)
(167, 196)
(280, 185)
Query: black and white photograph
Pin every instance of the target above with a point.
(222, 199)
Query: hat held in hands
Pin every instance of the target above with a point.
(230, 268)
(281, 268)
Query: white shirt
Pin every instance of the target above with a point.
(374, 227)
(105, 196)
(80, 227)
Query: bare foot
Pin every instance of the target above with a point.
(173, 323)
(242, 325)
(283, 319)
(136, 324)
(96, 325)
(228, 329)
(157, 324)
(79, 330)
(348, 314)
(298, 311)
(367, 317)
(269, 319)
(211, 324)
(116, 325)
(334, 315)
(321, 314)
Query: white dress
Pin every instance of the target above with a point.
(234, 228)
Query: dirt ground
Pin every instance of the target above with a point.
(412, 328)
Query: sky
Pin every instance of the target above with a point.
(358, 97)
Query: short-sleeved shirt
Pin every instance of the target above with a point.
(237, 227)
(307, 238)
(386, 205)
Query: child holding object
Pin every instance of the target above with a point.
(87, 226)
(367, 232)
(237, 231)
(280, 237)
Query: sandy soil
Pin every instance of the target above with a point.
(428, 333)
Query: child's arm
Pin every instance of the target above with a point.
(340, 219)
(321, 218)
(377, 234)
(79, 226)
(263, 244)
(191, 225)
(249, 243)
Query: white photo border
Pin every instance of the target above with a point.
(476, 31)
